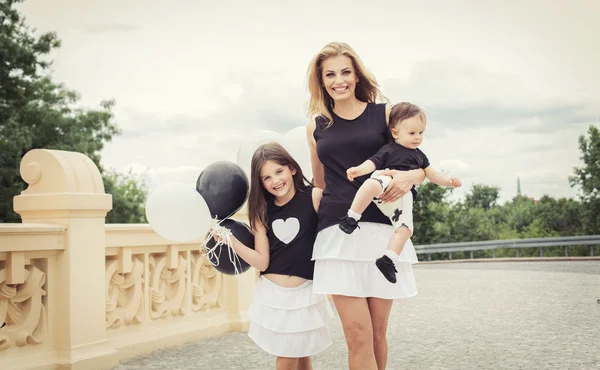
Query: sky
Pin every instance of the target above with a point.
(508, 87)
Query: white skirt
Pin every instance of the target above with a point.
(345, 263)
(289, 322)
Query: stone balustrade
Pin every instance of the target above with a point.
(76, 293)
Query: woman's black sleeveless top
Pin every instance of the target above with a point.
(348, 143)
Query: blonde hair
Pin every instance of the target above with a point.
(367, 90)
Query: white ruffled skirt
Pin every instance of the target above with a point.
(345, 263)
(289, 322)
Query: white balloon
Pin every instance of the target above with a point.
(176, 211)
(247, 149)
(295, 142)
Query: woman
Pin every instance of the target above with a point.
(348, 127)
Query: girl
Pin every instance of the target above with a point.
(287, 319)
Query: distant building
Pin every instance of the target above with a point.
(535, 201)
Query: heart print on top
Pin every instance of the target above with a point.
(286, 230)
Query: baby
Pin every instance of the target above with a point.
(407, 124)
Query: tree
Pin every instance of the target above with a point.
(520, 213)
(482, 196)
(35, 112)
(477, 223)
(562, 215)
(587, 178)
(431, 214)
(129, 196)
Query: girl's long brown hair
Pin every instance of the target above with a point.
(259, 196)
(367, 90)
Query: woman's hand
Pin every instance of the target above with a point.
(401, 183)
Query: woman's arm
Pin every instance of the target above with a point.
(317, 166)
(388, 110)
(257, 257)
(402, 182)
(317, 195)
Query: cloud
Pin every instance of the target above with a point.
(158, 176)
(539, 147)
(176, 147)
(154, 176)
(496, 156)
(455, 165)
(135, 123)
(181, 145)
(456, 94)
(111, 28)
(550, 117)
(243, 102)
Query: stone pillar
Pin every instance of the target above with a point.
(239, 296)
(66, 188)
(239, 288)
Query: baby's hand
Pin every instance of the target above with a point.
(352, 173)
(455, 182)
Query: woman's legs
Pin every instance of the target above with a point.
(358, 330)
(286, 363)
(380, 313)
(304, 363)
(293, 363)
(365, 322)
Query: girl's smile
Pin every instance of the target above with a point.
(278, 180)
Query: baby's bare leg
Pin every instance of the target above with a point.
(398, 240)
(365, 194)
(387, 263)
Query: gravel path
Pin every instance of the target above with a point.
(505, 315)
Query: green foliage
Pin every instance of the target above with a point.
(482, 196)
(473, 224)
(587, 178)
(37, 113)
(480, 217)
(129, 197)
(561, 215)
(432, 212)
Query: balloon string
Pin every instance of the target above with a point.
(223, 237)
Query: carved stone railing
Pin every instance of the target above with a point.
(27, 257)
(78, 294)
(151, 283)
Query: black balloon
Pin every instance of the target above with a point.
(224, 187)
(220, 258)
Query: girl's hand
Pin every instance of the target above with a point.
(399, 185)
(219, 233)
(216, 236)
